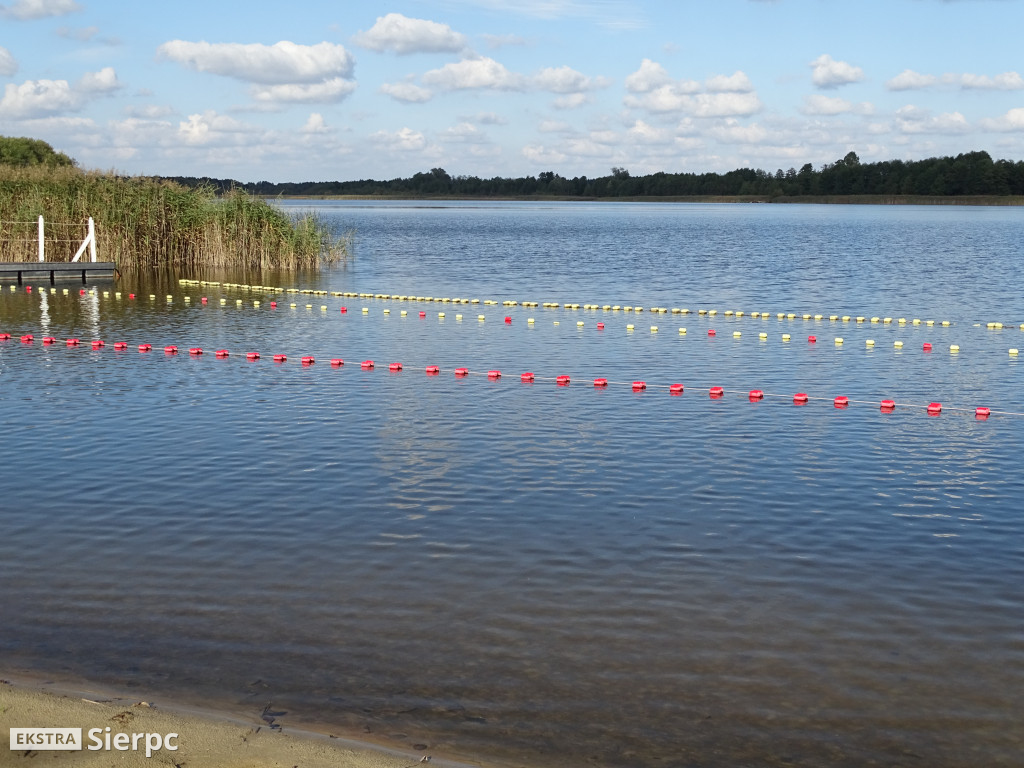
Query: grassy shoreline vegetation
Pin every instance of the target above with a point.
(971, 178)
(144, 223)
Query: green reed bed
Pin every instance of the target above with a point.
(142, 223)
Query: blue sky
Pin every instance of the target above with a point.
(344, 90)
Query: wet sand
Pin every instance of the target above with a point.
(218, 740)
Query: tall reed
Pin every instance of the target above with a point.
(142, 223)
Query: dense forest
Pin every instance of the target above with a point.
(970, 174)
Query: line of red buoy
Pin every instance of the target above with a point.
(714, 392)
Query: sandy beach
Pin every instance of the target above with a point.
(217, 740)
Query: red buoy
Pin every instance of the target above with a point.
(934, 409)
(131, 295)
(800, 398)
(49, 339)
(494, 374)
(888, 405)
(171, 350)
(638, 385)
(5, 337)
(98, 344)
(395, 367)
(711, 331)
(366, 365)
(526, 376)
(252, 355)
(28, 289)
(600, 326)
(222, 353)
(344, 310)
(675, 389)
(203, 299)
(120, 345)
(812, 339)
(195, 351)
(80, 293)
(841, 402)
(982, 413)
(433, 370)
(462, 371)
(280, 358)
(716, 392)
(927, 347)
(756, 394)
(27, 338)
(72, 342)
(337, 362)
(308, 360)
(145, 347)
(562, 381)
(600, 382)
(423, 314)
(273, 305)
(508, 321)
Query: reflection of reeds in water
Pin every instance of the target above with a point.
(143, 223)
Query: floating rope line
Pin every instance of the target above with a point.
(714, 392)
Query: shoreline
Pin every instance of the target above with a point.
(994, 201)
(205, 736)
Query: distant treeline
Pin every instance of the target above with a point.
(973, 173)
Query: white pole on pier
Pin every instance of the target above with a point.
(92, 240)
(42, 247)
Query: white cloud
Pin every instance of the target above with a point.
(39, 9)
(1007, 81)
(400, 34)
(566, 80)
(490, 118)
(38, 98)
(554, 126)
(737, 82)
(1011, 121)
(829, 73)
(643, 133)
(281, 63)
(668, 98)
(407, 92)
(542, 155)
(405, 140)
(329, 91)
(315, 124)
(104, 81)
(914, 120)
(651, 75)
(909, 80)
(465, 133)
(8, 66)
(571, 101)
(481, 72)
(213, 128)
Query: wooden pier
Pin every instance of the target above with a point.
(54, 271)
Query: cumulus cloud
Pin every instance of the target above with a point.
(465, 133)
(405, 140)
(8, 66)
(737, 82)
(541, 155)
(1007, 81)
(104, 81)
(651, 75)
(667, 98)
(914, 120)
(571, 101)
(566, 80)
(642, 133)
(909, 80)
(24, 10)
(329, 91)
(407, 92)
(481, 72)
(38, 98)
(1011, 121)
(315, 124)
(826, 72)
(213, 128)
(400, 34)
(282, 63)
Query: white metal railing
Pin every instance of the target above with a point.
(88, 243)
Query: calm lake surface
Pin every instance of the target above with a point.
(537, 574)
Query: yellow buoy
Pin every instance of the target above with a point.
(762, 335)
(629, 327)
(839, 339)
(785, 337)
(870, 342)
(654, 329)
(954, 347)
(898, 344)
(682, 331)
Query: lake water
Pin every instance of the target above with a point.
(538, 574)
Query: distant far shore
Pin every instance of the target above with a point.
(1002, 200)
